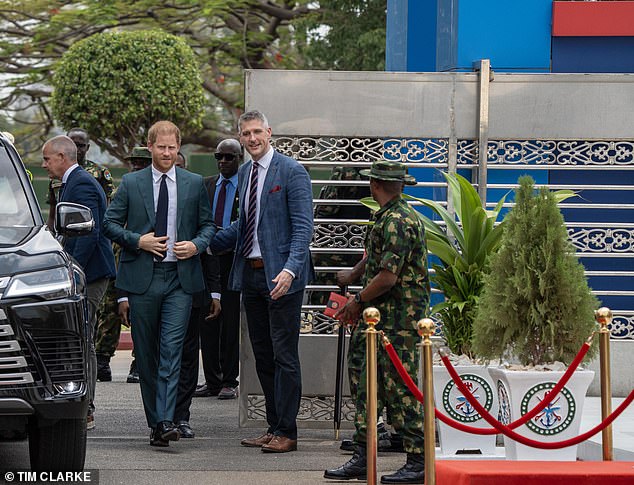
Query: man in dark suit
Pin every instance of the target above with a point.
(161, 218)
(271, 267)
(220, 338)
(92, 252)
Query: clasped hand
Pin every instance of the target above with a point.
(158, 246)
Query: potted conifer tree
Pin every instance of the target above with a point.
(536, 309)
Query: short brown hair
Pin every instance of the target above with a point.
(250, 116)
(163, 128)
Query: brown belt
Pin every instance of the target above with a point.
(256, 263)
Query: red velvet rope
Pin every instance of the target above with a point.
(419, 395)
(486, 431)
(527, 441)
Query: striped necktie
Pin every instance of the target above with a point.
(252, 214)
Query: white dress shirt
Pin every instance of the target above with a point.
(171, 208)
(68, 172)
(264, 164)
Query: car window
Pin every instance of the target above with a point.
(14, 204)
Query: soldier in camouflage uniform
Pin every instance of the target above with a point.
(395, 280)
(343, 212)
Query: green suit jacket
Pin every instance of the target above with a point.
(131, 214)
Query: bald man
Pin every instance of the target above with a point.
(93, 252)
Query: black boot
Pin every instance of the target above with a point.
(133, 376)
(104, 374)
(412, 472)
(354, 468)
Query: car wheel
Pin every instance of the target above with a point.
(58, 447)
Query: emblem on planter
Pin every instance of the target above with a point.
(457, 405)
(555, 417)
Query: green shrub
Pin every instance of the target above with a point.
(535, 303)
(116, 85)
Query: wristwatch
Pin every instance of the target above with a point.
(357, 298)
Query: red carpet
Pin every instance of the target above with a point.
(449, 472)
(125, 341)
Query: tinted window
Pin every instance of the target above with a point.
(14, 204)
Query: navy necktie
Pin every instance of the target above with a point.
(160, 228)
(251, 212)
(219, 215)
(61, 190)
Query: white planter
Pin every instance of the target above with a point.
(520, 391)
(452, 403)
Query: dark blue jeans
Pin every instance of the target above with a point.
(274, 333)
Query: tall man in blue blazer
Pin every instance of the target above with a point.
(93, 252)
(271, 268)
(160, 217)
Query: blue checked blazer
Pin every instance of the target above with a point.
(285, 224)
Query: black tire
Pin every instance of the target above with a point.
(58, 447)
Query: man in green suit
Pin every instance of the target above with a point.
(161, 218)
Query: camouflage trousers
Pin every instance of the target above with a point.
(109, 324)
(404, 412)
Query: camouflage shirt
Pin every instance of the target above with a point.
(338, 192)
(103, 176)
(396, 243)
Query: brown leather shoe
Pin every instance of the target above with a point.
(280, 444)
(257, 442)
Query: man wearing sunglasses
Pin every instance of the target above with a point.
(219, 338)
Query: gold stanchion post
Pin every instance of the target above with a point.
(371, 317)
(604, 317)
(426, 328)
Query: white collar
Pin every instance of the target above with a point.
(266, 159)
(156, 174)
(68, 171)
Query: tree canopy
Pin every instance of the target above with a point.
(345, 35)
(156, 73)
(227, 36)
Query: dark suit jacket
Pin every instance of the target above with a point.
(210, 186)
(131, 214)
(93, 251)
(285, 227)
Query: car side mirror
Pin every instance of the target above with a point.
(73, 219)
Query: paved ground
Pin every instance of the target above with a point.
(119, 448)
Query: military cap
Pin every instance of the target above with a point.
(389, 171)
(139, 152)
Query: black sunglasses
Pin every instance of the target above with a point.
(229, 157)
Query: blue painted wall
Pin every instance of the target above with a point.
(411, 36)
(593, 54)
(450, 35)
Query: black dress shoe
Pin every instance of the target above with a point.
(156, 441)
(185, 429)
(412, 472)
(133, 375)
(206, 391)
(167, 431)
(356, 467)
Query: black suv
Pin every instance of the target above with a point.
(43, 324)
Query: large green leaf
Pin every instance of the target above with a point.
(447, 218)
